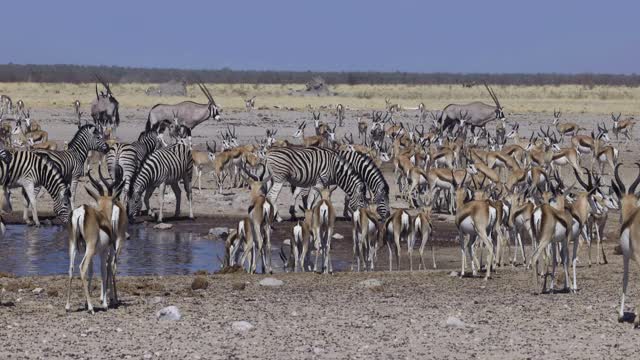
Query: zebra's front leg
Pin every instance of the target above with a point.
(29, 191)
(162, 188)
(26, 207)
(189, 190)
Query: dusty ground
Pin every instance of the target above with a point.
(313, 316)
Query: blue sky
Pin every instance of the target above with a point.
(330, 35)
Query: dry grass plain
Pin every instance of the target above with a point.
(516, 99)
(314, 316)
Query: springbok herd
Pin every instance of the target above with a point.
(503, 187)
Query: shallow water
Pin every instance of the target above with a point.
(28, 250)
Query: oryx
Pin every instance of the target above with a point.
(475, 114)
(105, 108)
(189, 113)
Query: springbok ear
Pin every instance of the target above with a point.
(92, 193)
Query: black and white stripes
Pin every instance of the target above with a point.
(129, 156)
(303, 167)
(372, 177)
(166, 166)
(71, 162)
(30, 171)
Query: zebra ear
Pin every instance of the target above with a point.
(92, 193)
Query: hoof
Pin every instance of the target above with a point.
(620, 318)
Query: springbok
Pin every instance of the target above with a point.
(629, 233)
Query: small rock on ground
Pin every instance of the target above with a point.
(163, 226)
(453, 321)
(169, 313)
(218, 232)
(199, 283)
(271, 282)
(242, 326)
(337, 236)
(37, 291)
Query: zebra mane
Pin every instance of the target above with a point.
(374, 167)
(81, 130)
(134, 177)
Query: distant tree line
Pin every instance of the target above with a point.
(116, 74)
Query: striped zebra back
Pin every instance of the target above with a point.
(167, 165)
(26, 166)
(307, 166)
(129, 156)
(371, 174)
(70, 162)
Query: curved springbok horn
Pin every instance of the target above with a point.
(244, 168)
(618, 181)
(107, 183)
(582, 183)
(96, 184)
(632, 188)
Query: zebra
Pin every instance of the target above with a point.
(70, 162)
(29, 171)
(166, 166)
(372, 177)
(129, 156)
(304, 167)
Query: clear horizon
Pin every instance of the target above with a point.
(495, 36)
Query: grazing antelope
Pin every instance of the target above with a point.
(76, 108)
(262, 214)
(391, 107)
(475, 218)
(564, 129)
(20, 106)
(600, 213)
(629, 233)
(200, 160)
(397, 228)
(302, 240)
(244, 235)
(324, 218)
(422, 228)
(250, 104)
(326, 139)
(582, 209)
(520, 214)
(553, 225)
(625, 126)
(320, 127)
(362, 128)
(191, 113)
(103, 230)
(340, 112)
(476, 114)
(365, 234)
(6, 105)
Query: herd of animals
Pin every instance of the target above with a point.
(502, 188)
